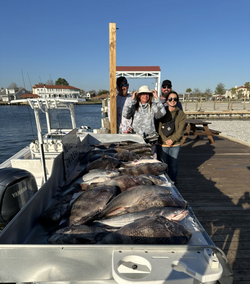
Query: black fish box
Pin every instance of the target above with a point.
(17, 186)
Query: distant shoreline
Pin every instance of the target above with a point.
(81, 103)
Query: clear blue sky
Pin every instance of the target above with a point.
(196, 43)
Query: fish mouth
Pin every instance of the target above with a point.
(180, 216)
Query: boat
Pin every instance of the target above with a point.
(28, 257)
(37, 157)
(31, 167)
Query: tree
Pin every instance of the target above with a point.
(50, 82)
(247, 86)
(61, 82)
(101, 92)
(13, 86)
(233, 92)
(220, 89)
(197, 92)
(189, 91)
(208, 93)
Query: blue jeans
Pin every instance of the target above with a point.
(169, 155)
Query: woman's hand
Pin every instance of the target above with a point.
(154, 92)
(169, 142)
(134, 95)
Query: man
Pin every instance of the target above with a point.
(123, 124)
(166, 87)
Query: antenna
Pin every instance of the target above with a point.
(23, 80)
(29, 80)
(51, 78)
(40, 79)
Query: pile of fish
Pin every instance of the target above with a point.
(122, 198)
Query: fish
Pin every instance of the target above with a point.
(155, 179)
(56, 212)
(89, 203)
(81, 234)
(149, 169)
(170, 213)
(139, 199)
(123, 182)
(135, 163)
(152, 230)
(106, 162)
(125, 155)
(136, 146)
(100, 173)
(142, 150)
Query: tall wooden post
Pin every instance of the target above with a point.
(112, 77)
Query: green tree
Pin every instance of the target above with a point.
(189, 91)
(61, 82)
(101, 92)
(247, 86)
(220, 89)
(233, 92)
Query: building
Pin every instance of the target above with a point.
(55, 91)
(240, 92)
(10, 94)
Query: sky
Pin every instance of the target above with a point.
(196, 43)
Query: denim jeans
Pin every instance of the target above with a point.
(169, 155)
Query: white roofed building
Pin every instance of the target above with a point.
(55, 91)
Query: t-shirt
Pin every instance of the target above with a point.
(123, 124)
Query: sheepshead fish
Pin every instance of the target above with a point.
(92, 174)
(57, 211)
(81, 234)
(89, 203)
(125, 155)
(153, 230)
(155, 179)
(139, 199)
(149, 169)
(170, 213)
(105, 162)
(125, 181)
(135, 163)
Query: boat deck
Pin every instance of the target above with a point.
(215, 180)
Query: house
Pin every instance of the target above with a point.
(10, 94)
(240, 92)
(55, 91)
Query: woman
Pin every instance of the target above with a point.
(170, 143)
(144, 108)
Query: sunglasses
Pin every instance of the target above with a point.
(124, 85)
(166, 86)
(170, 99)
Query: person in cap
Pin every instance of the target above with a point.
(123, 124)
(171, 130)
(166, 87)
(145, 107)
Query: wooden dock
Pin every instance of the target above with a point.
(215, 180)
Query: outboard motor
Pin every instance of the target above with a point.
(17, 186)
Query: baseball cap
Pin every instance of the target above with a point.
(167, 83)
(121, 80)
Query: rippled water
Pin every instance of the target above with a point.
(18, 127)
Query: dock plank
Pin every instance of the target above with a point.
(215, 180)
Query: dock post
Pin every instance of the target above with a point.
(112, 77)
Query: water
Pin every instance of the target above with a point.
(18, 127)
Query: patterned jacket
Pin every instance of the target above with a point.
(144, 118)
